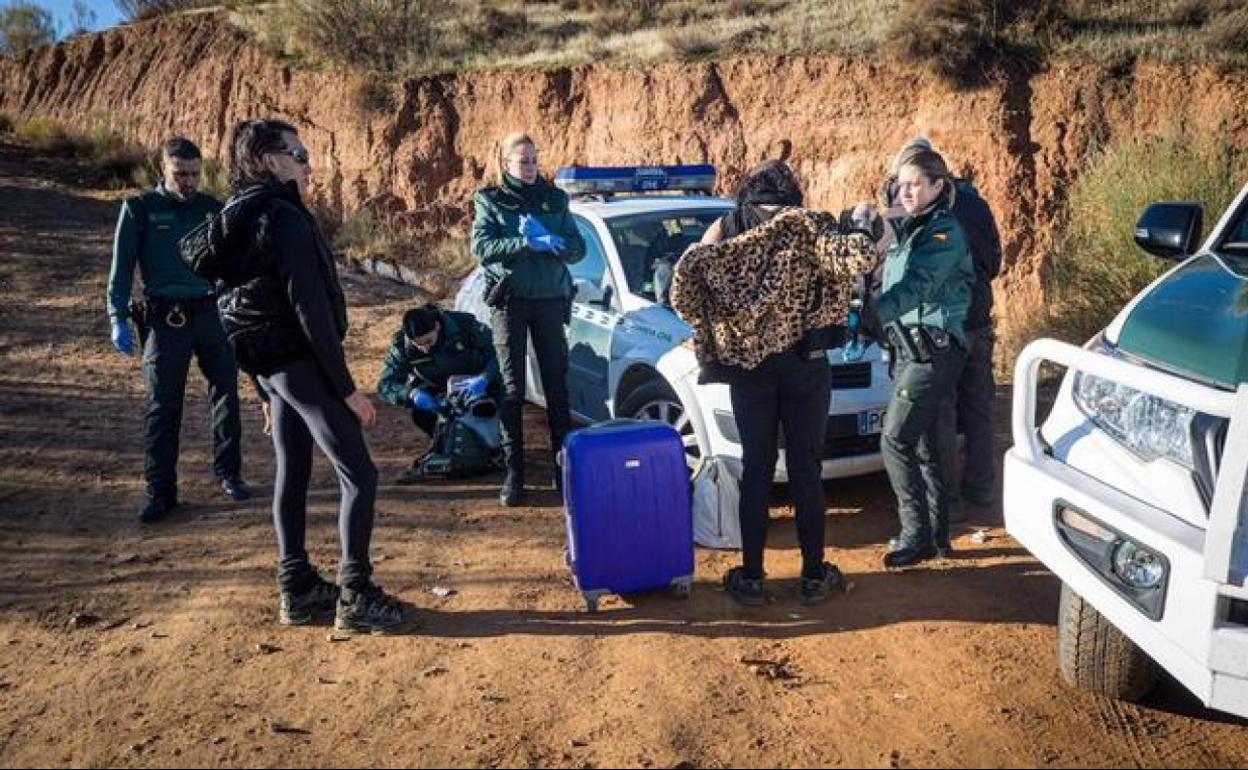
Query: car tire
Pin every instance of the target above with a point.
(655, 400)
(1093, 655)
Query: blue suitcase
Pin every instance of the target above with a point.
(626, 504)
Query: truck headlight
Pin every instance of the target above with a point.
(1137, 566)
(1149, 426)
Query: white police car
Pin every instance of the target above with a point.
(625, 353)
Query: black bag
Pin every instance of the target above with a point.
(465, 441)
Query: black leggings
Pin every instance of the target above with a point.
(305, 411)
(792, 392)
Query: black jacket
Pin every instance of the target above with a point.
(284, 301)
(972, 212)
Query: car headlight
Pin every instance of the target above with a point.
(1149, 426)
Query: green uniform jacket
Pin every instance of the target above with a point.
(928, 274)
(498, 245)
(465, 346)
(148, 230)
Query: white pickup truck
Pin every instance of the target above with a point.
(1133, 491)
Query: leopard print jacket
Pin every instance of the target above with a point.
(760, 292)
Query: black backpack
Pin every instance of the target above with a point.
(465, 440)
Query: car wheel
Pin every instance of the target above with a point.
(1094, 655)
(655, 400)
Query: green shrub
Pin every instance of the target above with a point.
(367, 234)
(1096, 267)
(48, 137)
(1227, 32)
(961, 41)
(146, 9)
(101, 146)
(25, 26)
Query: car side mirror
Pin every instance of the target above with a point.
(1170, 230)
(589, 292)
(605, 301)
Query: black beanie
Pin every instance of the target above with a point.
(420, 321)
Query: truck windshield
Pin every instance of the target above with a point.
(641, 240)
(1235, 242)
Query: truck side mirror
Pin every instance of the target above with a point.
(1170, 230)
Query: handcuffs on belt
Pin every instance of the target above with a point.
(175, 318)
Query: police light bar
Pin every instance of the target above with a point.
(612, 180)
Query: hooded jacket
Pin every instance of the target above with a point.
(281, 298)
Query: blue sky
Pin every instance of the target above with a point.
(106, 13)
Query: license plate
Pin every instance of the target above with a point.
(870, 422)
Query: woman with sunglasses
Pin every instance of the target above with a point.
(525, 238)
(286, 316)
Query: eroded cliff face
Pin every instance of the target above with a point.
(430, 142)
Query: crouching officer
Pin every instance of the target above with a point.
(923, 306)
(432, 346)
(176, 319)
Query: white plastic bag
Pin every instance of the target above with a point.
(716, 496)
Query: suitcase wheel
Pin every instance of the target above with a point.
(679, 589)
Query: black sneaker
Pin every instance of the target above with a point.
(300, 609)
(816, 590)
(236, 489)
(908, 556)
(370, 611)
(745, 590)
(410, 476)
(155, 509)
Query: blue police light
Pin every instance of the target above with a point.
(611, 180)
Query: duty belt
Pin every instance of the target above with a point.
(174, 311)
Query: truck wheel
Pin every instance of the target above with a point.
(654, 400)
(1094, 655)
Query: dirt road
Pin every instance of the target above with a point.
(159, 646)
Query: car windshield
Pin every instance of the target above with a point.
(642, 240)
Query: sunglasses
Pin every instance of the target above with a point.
(299, 154)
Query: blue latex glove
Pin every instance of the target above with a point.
(122, 339)
(423, 400)
(474, 387)
(854, 349)
(552, 243)
(532, 227)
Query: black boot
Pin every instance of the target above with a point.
(512, 492)
(157, 508)
(556, 480)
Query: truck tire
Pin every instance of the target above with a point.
(1094, 655)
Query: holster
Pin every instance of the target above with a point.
(138, 314)
(906, 344)
(497, 290)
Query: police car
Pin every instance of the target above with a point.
(1135, 490)
(626, 357)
